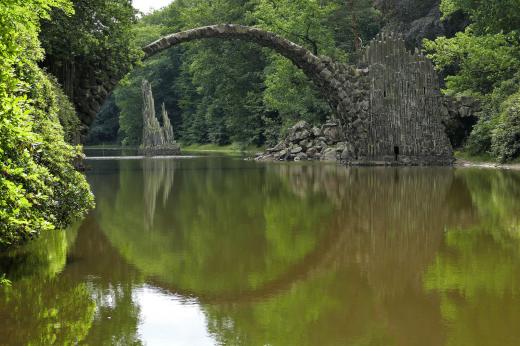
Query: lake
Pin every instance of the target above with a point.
(221, 251)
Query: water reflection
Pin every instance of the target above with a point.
(477, 269)
(221, 251)
(158, 177)
(40, 308)
(217, 211)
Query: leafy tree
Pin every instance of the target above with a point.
(39, 187)
(232, 91)
(97, 55)
(483, 61)
(506, 138)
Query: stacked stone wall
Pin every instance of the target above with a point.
(404, 122)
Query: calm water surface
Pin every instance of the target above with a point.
(220, 251)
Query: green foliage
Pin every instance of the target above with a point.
(289, 93)
(303, 22)
(219, 91)
(4, 281)
(106, 126)
(39, 188)
(481, 137)
(489, 17)
(506, 138)
(483, 61)
(66, 113)
(101, 44)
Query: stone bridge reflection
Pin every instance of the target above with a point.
(282, 254)
(242, 232)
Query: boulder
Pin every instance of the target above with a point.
(345, 155)
(300, 157)
(279, 146)
(329, 155)
(300, 125)
(311, 152)
(331, 132)
(296, 150)
(305, 144)
(283, 153)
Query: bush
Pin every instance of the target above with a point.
(39, 187)
(506, 137)
(66, 113)
(479, 141)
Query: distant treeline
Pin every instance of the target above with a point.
(230, 91)
(219, 91)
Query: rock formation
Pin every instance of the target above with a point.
(404, 124)
(305, 142)
(459, 115)
(157, 140)
(419, 19)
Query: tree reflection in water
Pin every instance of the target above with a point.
(477, 270)
(279, 254)
(40, 308)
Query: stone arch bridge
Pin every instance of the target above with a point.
(388, 107)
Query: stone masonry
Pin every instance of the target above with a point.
(306, 142)
(404, 118)
(387, 109)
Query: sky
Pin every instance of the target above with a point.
(146, 5)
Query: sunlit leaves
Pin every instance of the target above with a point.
(36, 174)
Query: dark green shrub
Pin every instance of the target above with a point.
(506, 137)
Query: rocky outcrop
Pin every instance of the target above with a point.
(305, 142)
(157, 140)
(459, 115)
(419, 19)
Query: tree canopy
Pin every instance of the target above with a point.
(39, 187)
(230, 91)
(484, 61)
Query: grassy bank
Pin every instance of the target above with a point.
(233, 148)
(465, 156)
(486, 161)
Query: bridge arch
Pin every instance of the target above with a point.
(313, 66)
(336, 81)
(388, 111)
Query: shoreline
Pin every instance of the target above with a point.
(494, 165)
